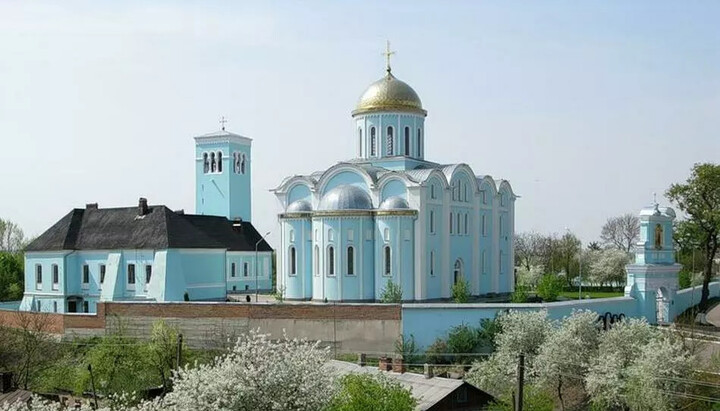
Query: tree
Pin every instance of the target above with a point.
(460, 291)
(11, 276)
(529, 247)
(163, 350)
(31, 348)
(549, 287)
(608, 266)
(594, 246)
(569, 247)
(391, 293)
(699, 198)
(621, 232)
(12, 238)
(371, 392)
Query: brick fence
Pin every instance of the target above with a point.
(347, 327)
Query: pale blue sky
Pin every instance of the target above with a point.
(586, 107)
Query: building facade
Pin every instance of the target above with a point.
(390, 215)
(151, 253)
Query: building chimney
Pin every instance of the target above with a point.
(91, 206)
(142, 206)
(180, 212)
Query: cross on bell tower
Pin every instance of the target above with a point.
(388, 53)
(223, 120)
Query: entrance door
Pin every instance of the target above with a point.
(457, 271)
(660, 307)
(72, 306)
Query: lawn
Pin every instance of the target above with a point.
(592, 294)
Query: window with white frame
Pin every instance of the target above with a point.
(55, 277)
(233, 271)
(85, 276)
(293, 261)
(38, 277)
(331, 261)
(102, 273)
(350, 257)
(54, 306)
(373, 142)
(148, 274)
(387, 261)
(131, 276)
(246, 269)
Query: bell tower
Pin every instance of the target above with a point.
(653, 278)
(223, 175)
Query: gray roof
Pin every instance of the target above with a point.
(161, 228)
(428, 391)
(299, 206)
(346, 197)
(394, 203)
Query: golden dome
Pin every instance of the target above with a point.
(389, 94)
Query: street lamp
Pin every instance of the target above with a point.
(256, 263)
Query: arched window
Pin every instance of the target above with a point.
(350, 260)
(331, 261)
(451, 223)
(293, 261)
(246, 268)
(466, 223)
(458, 271)
(213, 164)
(432, 222)
(233, 271)
(407, 141)
(432, 191)
(316, 261)
(242, 163)
(387, 260)
(206, 163)
(373, 142)
(390, 141)
(359, 142)
(457, 222)
(419, 144)
(219, 160)
(658, 237)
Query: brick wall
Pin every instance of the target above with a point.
(46, 322)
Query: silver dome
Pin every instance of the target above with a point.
(299, 206)
(346, 197)
(394, 203)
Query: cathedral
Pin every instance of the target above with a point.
(388, 215)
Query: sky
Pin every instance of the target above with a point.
(586, 107)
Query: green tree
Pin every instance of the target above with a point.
(406, 348)
(520, 294)
(463, 339)
(391, 293)
(163, 350)
(11, 276)
(549, 287)
(699, 198)
(461, 291)
(372, 393)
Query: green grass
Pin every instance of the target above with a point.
(592, 294)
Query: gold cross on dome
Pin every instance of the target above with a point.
(387, 55)
(223, 120)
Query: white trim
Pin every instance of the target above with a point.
(59, 294)
(201, 250)
(206, 285)
(228, 138)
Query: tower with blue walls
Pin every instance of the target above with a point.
(653, 278)
(223, 175)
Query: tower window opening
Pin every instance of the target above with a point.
(246, 269)
(407, 141)
(242, 163)
(387, 254)
(373, 142)
(213, 164)
(351, 260)
(233, 271)
(219, 160)
(451, 223)
(293, 261)
(432, 222)
(432, 263)
(419, 143)
(390, 141)
(331, 261)
(359, 142)
(206, 163)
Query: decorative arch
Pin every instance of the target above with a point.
(345, 174)
(299, 190)
(462, 172)
(458, 271)
(393, 186)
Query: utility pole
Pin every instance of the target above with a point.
(178, 357)
(92, 384)
(520, 383)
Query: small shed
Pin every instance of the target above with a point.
(433, 393)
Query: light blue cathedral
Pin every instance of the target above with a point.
(390, 215)
(152, 253)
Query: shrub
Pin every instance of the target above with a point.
(436, 353)
(684, 279)
(371, 392)
(461, 291)
(549, 287)
(391, 293)
(406, 348)
(519, 295)
(463, 339)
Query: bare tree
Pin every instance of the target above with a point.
(529, 249)
(621, 232)
(32, 345)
